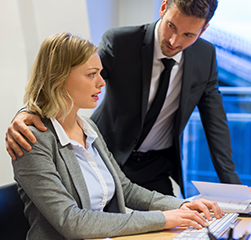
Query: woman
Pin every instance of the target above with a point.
(70, 183)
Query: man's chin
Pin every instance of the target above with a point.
(171, 53)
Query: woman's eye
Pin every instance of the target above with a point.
(92, 74)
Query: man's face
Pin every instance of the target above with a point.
(177, 31)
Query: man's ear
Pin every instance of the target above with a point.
(163, 8)
(204, 29)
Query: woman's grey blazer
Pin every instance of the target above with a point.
(57, 202)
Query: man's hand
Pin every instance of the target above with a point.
(203, 205)
(14, 136)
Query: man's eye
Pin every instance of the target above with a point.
(170, 25)
(189, 35)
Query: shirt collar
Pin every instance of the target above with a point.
(157, 51)
(63, 137)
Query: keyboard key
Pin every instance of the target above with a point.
(217, 227)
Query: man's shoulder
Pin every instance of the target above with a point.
(201, 49)
(201, 42)
(129, 30)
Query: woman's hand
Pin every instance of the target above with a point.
(189, 214)
(18, 128)
(184, 218)
(203, 205)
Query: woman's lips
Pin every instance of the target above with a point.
(95, 96)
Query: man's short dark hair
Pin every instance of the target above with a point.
(197, 8)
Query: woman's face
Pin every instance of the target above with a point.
(84, 83)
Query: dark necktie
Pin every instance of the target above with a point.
(158, 101)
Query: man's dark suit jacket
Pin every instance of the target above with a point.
(127, 55)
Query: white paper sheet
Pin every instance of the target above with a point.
(230, 197)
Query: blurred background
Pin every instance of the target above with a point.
(24, 24)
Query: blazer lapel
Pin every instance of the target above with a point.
(117, 204)
(78, 180)
(185, 89)
(147, 61)
(71, 162)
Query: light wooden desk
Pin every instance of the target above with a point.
(243, 226)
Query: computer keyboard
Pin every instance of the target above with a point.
(217, 227)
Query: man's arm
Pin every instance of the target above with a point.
(216, 128)
(18, 128)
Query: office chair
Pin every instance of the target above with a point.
(13, 224)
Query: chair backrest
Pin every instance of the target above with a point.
(13, 224)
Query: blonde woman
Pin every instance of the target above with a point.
(70, 183)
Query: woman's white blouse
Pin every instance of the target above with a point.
(99, 181)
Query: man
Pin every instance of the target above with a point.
(131, 58)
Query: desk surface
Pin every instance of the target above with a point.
(243, 226)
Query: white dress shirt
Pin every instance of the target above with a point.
(161, 134)
(99, 181)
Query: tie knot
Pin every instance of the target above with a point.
(168, 63)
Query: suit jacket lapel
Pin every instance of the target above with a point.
(147, 61)
(185, 88)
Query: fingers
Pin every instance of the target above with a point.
(18, 129)
(184, 218)
(218, 213)
(13, 140)
(198, 220)
(205, 206)
(9, 150)
(188, 214)
(199, 205)
(38, 123)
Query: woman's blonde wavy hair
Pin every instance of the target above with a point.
(45, 92)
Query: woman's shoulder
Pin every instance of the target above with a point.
(44, 136)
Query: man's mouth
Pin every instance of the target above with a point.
(170, 47)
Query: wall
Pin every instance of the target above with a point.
(24, 24)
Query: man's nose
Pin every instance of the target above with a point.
(174, 40)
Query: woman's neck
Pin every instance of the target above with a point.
(72, 128)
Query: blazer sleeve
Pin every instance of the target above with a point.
(216, 128)
(107, 51)
(37, 174)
